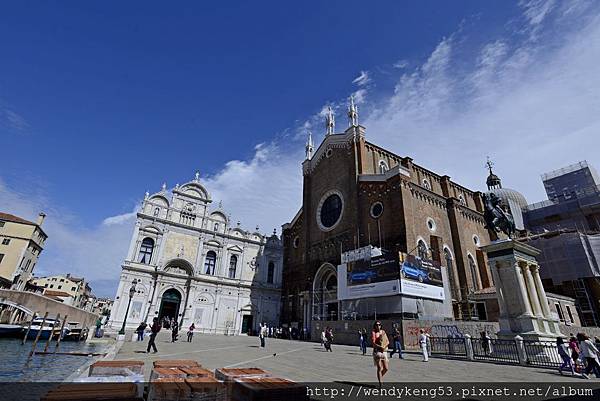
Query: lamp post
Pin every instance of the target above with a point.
(131, 294)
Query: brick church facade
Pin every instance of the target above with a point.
(356, 193)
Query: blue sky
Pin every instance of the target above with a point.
(99, 102)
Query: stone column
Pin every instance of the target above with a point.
(523, 291)
(535, 270)
(499, 289)
(533, 296)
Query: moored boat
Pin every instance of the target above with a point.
(11, 330)
(75, 333)
(51, 328)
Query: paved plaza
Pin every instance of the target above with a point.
(308, 362)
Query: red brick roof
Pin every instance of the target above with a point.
(14, 219)
(53, 293)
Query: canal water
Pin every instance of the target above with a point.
(16, 366)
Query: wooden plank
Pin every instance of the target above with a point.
(38, 335)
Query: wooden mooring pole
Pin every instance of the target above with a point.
(38, 335)
(28, 328)
(60, 335)
(51, 334)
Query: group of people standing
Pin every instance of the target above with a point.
(155, 329)
(579, 350)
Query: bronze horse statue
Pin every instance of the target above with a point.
(496, 219)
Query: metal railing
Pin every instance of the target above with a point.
(542, 353)
(495, 350)
(448, 346)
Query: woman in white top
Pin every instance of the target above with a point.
(590, 353)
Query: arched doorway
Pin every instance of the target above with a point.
(169, 304)
(325, 302)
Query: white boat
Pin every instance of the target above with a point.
(51, 327)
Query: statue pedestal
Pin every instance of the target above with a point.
(522, 301)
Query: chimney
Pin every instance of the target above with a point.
(40, 218)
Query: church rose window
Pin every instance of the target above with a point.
(330, 211)
(376, 210)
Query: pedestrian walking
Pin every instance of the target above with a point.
(174, 331)
(140, 331)
(574, 347)
(262, 332)
(396, 342)
(98, 332)
(363, 340)
(154, 329)
(563, 351)
(323, 339)
(423, 340)
(590, 353)
(380, 343)
(328, 339)
(190, 333)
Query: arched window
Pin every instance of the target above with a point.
(270, 272)
(209, 262)
(426, 184)
(473, 270)
(146, 251)
(216, 227)
(232, 266)
(422, 249)
(156, 211)
(450, 268)
(383, 167)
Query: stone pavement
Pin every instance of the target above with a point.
(308, 362)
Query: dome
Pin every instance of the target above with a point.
(493, 181)
(510, 197)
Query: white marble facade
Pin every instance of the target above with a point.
(191, 263)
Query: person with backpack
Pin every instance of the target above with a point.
(154, 329)
(397, 342)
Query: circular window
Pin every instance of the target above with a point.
(431, 224)
(296, 241)
(476, 240)
(328, 152)
(376, 210)
(329, 212)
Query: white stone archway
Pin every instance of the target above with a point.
(325, 301)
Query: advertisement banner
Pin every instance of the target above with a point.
(421, 277)
(372, 272)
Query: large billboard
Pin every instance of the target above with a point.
(420, 277)
(373, 272)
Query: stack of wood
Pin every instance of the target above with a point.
(267, 389)
(116, 368)
(184, 380)
(94, 391)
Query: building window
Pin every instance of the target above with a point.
(461, 199)
(46, 285)
(156, 211)
(72, 288)
(51, 285)
(570, 314)
(329, 212)
(561, 317)
(59, 287)
(476, 240)
(383, 167)
(216, 227)
(1, 224)
(422, 249)
(270, 272)
(481, 310)
(6, 241)
(296, 241)
(146, 250)
(232, 266)
(473, 270)
(426, 184)
(209, 262)
(376, 210)
(1, 257)
(431, 224)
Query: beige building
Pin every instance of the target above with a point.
(21, 242)
(77, 290)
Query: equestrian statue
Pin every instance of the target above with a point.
(496, 219)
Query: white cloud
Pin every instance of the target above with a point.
(120, 219)
(400, 64)
(362, 79)
(95, 253)
(12, 121)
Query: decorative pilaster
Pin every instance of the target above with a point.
(533, 295)
(523, 291)
(539, 287)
